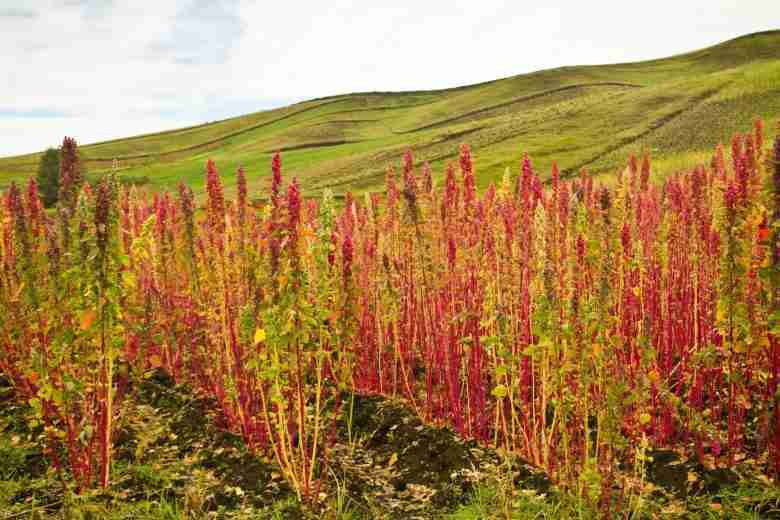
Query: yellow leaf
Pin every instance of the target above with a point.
(88, 318)
(259, 335)
(644, 418)
(155, 361)
(129, 279)
(500, 391)
(393, 459)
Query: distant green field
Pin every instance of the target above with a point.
(584, 116)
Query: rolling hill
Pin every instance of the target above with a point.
(583, 116)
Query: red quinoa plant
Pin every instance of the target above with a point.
(62, 326)
(575, 325)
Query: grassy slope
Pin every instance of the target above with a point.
(591, 116)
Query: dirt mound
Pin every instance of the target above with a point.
(408, 467)
(169, 446)
(179, 425)
(683, 478)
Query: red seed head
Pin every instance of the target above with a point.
(186, 200)
(34, 208)
(625, 238)
(698, 178)
(469, 183)
(392, 188)
(736, 155)
(349, 212)
(777, 145)
(466, 164)
(633, 172)
(241, 182)
(509, 216)
(776, 177)
(451, 253)
(525, 181)
(527, 168)
(776, 159)
(731, 196)
(410, 179)
(719, 163)
(70, 173)
(216, 202)
(410, 186)
(276, 178)
(293, 219)
(294, 205)
(312, 210)
(580, 251)
(347, 249)
(490, 195)
(214, 188)
(451, 188)
(645, 175)
(563, 204)
(275, 247)
(162, 217)
(758, 129)
(14, 202)
(427, 178)
(750, 153)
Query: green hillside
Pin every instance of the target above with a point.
(584, 116)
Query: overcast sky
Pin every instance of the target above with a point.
(99, 69)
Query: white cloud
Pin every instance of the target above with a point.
(119, 68)
(203, 32)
